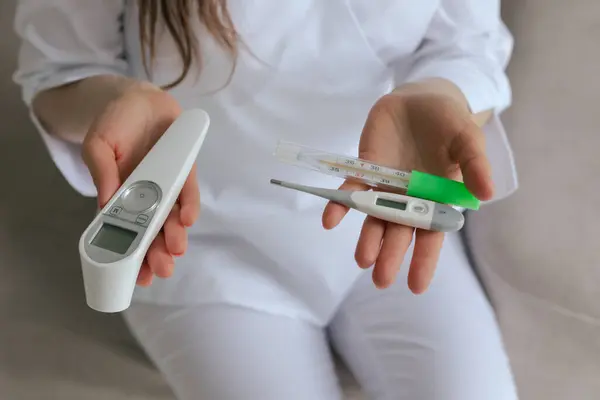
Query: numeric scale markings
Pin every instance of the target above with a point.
(369, 172)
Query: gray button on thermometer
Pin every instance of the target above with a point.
(141, 196)
(114, 245)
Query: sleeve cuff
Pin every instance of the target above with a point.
(65, 155)
(481, 93)
(501, 158)
(31, 87)
(67, 158)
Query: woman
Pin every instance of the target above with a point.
(256, 289)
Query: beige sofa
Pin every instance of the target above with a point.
(539, 251)
(535, 252)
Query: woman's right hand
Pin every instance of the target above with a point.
(117, 141)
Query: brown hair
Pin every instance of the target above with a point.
(176, 16)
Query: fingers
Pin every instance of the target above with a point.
(175, 233)
(334, 212)
(99, 157)
(369, 242)
(160, 261)
(145, 275)
(468, 149)
(384, 245)
(396, 242)
(426, 253)
(173, 240)
(189, 199)
(159, 258)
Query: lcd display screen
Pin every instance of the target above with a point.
(114, 238)
(391, 204)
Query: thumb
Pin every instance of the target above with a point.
(100, 159)
(468, 149)
(334, 213)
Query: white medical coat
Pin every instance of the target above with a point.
(308, 72)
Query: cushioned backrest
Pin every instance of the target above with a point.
(545, 240)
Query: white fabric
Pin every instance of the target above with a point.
(233, 353)
(313, 70)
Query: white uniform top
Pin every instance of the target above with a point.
(309, 71)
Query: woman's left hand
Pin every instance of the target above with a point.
(424, 129)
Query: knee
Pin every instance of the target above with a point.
(438, 375)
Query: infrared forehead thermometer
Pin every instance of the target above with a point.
(114, 245)
(391, 207)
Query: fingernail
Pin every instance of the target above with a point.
(390, 281)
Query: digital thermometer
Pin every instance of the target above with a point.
(391, 207)
(114, 245)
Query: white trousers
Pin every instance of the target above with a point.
(442, 345)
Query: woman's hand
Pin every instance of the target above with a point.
(115, 144)
(424, 127)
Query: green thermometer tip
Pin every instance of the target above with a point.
(441, 190)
